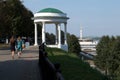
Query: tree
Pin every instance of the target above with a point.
(116, 59)
(102, 48)
(50, 38)
(108, 56)
(73, 44)
(15, 19)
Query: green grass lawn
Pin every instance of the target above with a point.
(72, 67)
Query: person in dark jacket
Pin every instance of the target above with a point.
(12, 46)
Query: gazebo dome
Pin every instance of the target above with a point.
(50, 15)
(50, 10)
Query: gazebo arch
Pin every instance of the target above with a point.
(52, 16)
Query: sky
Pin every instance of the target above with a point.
(96, 17)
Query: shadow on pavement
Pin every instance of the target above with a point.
(19, 70)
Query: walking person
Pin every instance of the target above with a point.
(19, 46)
(12, 46)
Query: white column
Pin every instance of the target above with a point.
(43, 32)
(65, 33)
(59, 35)
(36, 43)
(56, 38)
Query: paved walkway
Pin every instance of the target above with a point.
(24, 68)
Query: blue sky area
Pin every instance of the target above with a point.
(97, 17)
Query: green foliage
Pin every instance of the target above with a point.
(72, 67)
(108, 57)
(15, 19)
(73, 44)
(102, 53)
(50, 38)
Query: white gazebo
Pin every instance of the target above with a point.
(52, 16)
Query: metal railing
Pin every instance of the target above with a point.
(49, 70)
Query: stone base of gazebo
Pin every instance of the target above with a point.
(63, 47)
